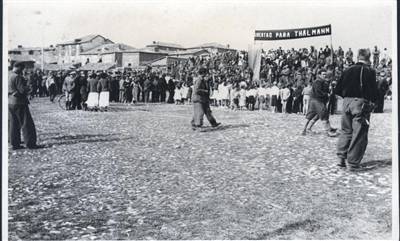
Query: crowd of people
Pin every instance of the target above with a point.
(284, 82)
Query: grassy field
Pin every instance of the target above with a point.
(140, 172)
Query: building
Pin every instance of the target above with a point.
(212, 47)
(191, 53)
(140, 57)
(106, 53)
(70, 52)
(121, 55)
(34, 54)
(164, 47)
(166, 62)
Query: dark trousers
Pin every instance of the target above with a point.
(380, 102)
(199, 110)
(20, 119)
(162, 95)
(353, 139)
(146, 96)
(332, 104)
(52, 92)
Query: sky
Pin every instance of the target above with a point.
(355, 24)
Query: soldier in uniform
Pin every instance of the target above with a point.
(19, 115)
(201, 101)
(358, 88)
(69, 87)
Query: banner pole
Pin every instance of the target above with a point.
(333, 54)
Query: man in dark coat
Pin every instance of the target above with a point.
(155, 94)
(383, 87)
(163, 88)
(171, 90)
(317, 106)
(19, 115)
(147, 87)
(358, 88)
(201, 101)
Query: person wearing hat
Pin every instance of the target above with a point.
(69, 87)
(201, 101)
(19, 115)
(51, 85)
(358, 88)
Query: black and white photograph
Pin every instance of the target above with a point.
(200, 120)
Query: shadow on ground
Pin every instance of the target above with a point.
(223, 127)
(86, 138)
(375, 164)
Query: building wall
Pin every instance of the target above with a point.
(130, 58)
(71, 53)
(146, 57)
(94, 58)
(108, 58)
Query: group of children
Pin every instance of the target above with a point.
(183, 94)
(274, 97)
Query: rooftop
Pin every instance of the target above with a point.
(83, 39)
(211, 45)
(109, 48)
(164, 44)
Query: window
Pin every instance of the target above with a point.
(30, 52)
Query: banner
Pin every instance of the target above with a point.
(292, 33)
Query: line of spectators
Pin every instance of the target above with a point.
(283, 84)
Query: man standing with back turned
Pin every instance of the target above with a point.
(19, 114)
(357, 86)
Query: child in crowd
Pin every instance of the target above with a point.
(234, 97)
(251, 97)
(184, 93)
(284, 94)
(242, 97)
(189, 94)
(274, 92)
(178, 94)
(214, 96)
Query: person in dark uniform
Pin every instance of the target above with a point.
(317, 106)
(163, 88)
(147, 88)
(69, 87)
(358, 88)
(201, 101)
(383, 87)
(19, 115)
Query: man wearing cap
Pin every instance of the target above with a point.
(201, 101)
(358, 88)
(19, 115)
(51, 85)
(69, 87)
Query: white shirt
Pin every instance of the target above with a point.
(262, 91)
(285, 93)
(274, 90)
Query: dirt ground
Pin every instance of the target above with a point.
(140, 172)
